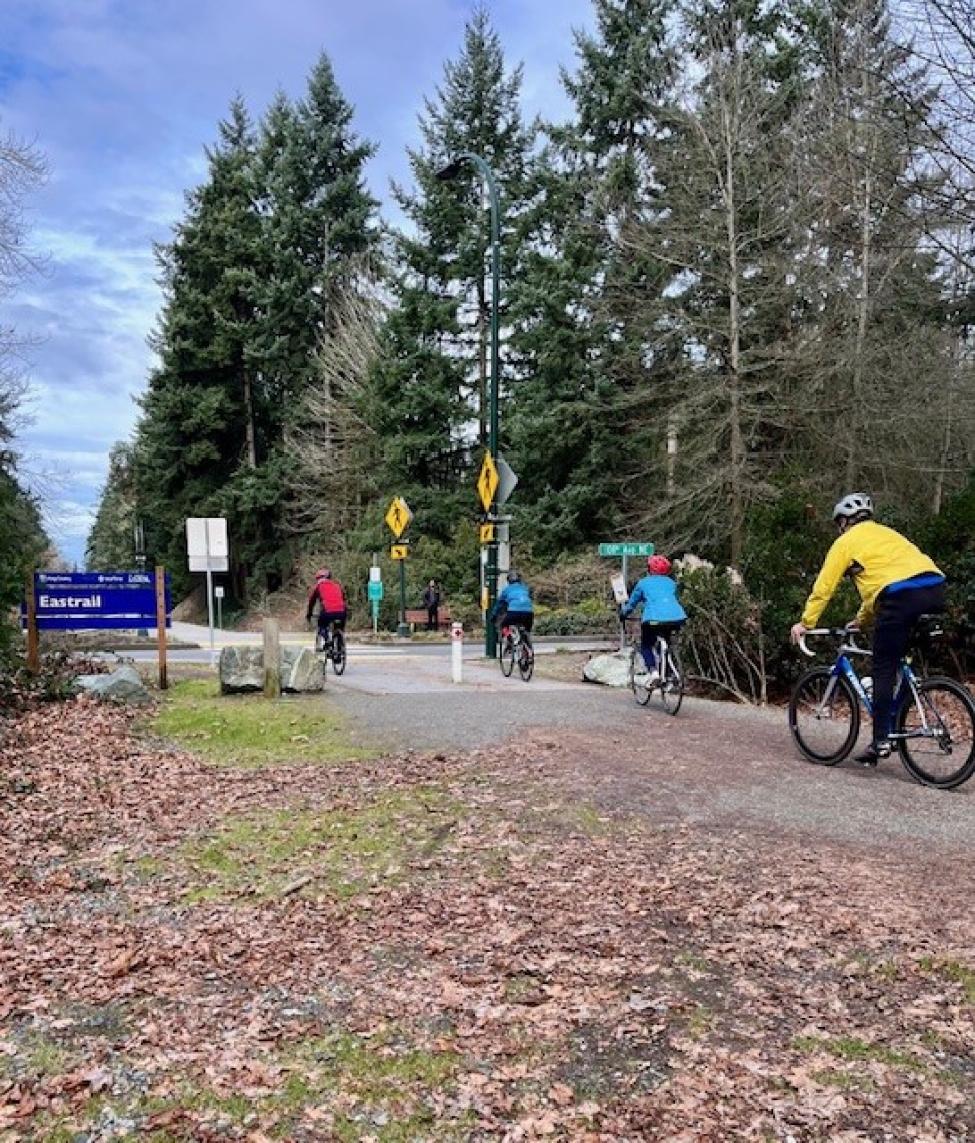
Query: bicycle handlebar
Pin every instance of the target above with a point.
(834, 633)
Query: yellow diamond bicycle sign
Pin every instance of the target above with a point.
(487, 481)
(398, 516)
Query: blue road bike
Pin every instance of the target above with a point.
(932, 721)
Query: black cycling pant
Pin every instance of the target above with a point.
(326, 618)
(896, 616)
(650, 632)
(522, 619)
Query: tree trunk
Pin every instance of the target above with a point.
(736, 435)
(250, 437)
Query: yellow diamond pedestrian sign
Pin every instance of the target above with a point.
(487, 481)
(398, 516)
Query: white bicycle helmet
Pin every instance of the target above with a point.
(853, 505)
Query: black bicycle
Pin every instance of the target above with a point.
(331, 644)
(669, 684)
(933, 720)
(516, 647)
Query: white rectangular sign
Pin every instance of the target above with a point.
(206, 544)
(619, 587)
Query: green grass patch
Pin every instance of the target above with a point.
(952, 970)
(856, 1050)
(341, 851)
(249, 730)
(845, 1081)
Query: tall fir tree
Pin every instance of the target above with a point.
(583, 316)
(430, 383)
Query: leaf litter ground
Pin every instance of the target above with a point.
(451, 947)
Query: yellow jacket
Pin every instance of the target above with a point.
(875, 557)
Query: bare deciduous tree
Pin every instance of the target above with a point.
(332, 442)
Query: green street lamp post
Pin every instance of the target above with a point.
(451, 171)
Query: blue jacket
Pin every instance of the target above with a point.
(515, 597)
(658, 593)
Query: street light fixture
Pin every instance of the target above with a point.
(448, 172)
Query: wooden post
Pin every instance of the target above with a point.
(272, 659)
(161, 626)
(33, 640)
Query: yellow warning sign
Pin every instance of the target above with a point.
(398, 516)
(487, 533)
(399, 551)
(487, 481)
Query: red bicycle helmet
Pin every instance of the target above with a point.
(658, 565)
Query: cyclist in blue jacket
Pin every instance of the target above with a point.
(662, 613)
(513, 607)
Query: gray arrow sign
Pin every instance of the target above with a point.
(507, 480)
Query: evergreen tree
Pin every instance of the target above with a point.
(584, 323)
(430, 380)
(111, 539)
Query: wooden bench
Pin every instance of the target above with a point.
(417, 617)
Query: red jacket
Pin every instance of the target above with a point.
(329, 594)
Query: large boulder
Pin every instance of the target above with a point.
(301, 671)
(611, 670)
(242, 670)
(124, 684)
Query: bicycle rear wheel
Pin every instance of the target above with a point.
(526, 659)
(825, 732)
(671, 682)
(506, 659)
(943, 719)
(637, 682)
(338, 651)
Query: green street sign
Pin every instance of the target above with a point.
(375, 591)
(626, 549)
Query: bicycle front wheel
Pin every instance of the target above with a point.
(338, 652)
(672, 683)
(940, 751)
(526, 661)
(507, 657)
(637, 682)
(825, 730)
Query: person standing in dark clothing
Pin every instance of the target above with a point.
(431, 601)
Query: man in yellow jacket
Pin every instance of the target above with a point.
(897, 583)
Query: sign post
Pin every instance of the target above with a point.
(398, 517)
(161, 627)
(208, 551)
(33, 640)
(375, 589)
(487, 485)
(623, 550)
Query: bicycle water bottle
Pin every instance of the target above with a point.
(867, 683)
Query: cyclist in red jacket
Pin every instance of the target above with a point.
(331, 603)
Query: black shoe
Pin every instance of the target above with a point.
(875, 752)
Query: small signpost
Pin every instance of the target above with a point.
(623, 550)
(398, 517)
(97, 601)
(375, 590)
(208, 551)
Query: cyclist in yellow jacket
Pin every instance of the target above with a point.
(897, 583)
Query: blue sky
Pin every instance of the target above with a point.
(122, 96)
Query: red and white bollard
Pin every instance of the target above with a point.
(456, 652)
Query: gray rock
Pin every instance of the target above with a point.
(122, 685)
(242, 670)
(301, 671)
(611, 670)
